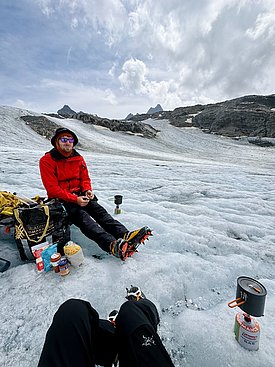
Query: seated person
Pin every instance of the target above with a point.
(65, 176)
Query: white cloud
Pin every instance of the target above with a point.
(69, 55)
(71, 89)
(46, 7)
(107, 17)
(74, 23)
(133, 76)
(112, 70)
(264, 27)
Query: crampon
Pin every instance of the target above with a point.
(134, 239)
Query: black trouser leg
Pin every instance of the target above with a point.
(139, 343)
(95, 223)
(105, 220)
(70, 340)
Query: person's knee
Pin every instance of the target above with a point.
(127, 307)
(71, 306)
(75, 312)
(74, 308)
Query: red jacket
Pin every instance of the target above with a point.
(63, 177)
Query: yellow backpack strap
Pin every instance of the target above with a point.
(22, 229)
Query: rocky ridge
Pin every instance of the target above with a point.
(250, 116)
(45, 127)
(133, 127)
(41, 125)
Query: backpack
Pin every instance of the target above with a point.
(44, 222)
(35, 221)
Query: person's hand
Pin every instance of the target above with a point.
(89, 194)
(82, 200)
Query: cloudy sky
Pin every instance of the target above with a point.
(113, 57)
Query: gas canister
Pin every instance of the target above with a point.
(247, 331)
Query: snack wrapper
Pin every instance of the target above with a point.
(71, 248)
(46, 256)
(37, 253)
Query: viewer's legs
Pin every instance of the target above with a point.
(70, 340)
(139, 343)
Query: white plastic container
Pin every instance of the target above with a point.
(74, 253)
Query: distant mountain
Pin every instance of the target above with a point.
(66, 111)
(128, 117)
(152, 110)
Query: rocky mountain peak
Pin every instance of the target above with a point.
(152, 110)
(66, 111)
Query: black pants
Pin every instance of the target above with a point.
(96, 223)
(78, 338)
(139, 343)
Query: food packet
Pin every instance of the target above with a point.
(46, 256)
(37, 253)
(71, 248)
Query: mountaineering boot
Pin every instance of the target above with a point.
(127, 246)
(112, 317)
(135, 238)
(134, 294)
(118, 248)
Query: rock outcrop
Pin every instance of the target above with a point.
(127, 126)
(251, 116)
(41, 125)
(46, 127)
(133, 127)
(246, 116)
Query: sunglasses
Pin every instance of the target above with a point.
(64, 140)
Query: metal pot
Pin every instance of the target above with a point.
(118, 199)
(250, 296)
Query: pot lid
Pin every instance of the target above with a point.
(251, 286)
